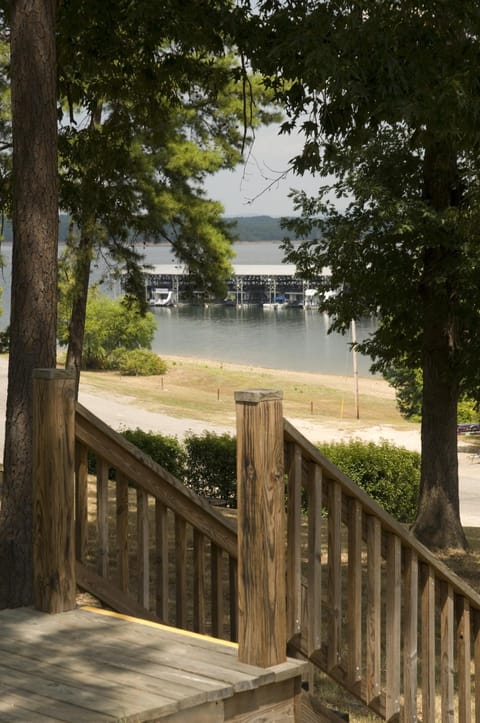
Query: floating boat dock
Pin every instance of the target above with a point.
(249, 284)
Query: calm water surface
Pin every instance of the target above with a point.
(293, 339)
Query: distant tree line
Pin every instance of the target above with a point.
(244, 228)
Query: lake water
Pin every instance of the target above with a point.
(294, 339)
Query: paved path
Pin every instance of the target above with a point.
(121, 412)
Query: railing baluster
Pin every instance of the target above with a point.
(181, 571)
(410, 636)
(217, 591)
(161, 561)
(463, 659)
(428, 642)
(233, 588)
(374, 616)
(199, 591)
(122, 533)
(334, 574)
(143, 536)
(314, 573)
(393, 613)
(476, 659)
(102, 517)
(447, 652)
(81, 501)
(354, 591)
(294, 571)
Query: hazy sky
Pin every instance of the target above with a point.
(258, 188)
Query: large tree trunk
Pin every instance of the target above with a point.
(76, 332)
(34, 276)
(438, 521)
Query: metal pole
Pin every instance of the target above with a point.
(355, 368)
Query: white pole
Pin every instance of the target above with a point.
(355, 368)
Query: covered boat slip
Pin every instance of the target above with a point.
(93, 665)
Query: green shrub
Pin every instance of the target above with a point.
(212, 466)
(165, 450)
(389, 474)
(138, 362)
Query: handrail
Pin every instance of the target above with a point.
(377, 611)
(190, 534)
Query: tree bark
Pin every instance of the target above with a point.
(438, 522)
(76, 331)
(34, 276)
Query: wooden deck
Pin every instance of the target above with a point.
(93, 665)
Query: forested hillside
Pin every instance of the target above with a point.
(246, 228)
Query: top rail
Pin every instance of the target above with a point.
(154, 479)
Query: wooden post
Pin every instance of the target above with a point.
(53, 490)
(261, 528)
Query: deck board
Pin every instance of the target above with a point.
(90, 665)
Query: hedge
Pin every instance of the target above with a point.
(389, 474)
(207, 464)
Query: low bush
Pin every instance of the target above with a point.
(212, 466)
(164, 450)
(389, 474)
(207, 464)
(138, 362)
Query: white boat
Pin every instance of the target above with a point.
(162, 297)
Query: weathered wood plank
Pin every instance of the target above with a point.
(354, 605)
(233, 591)
(81, 501)
(293, 561)
(53, 490)
(261, 530)
(180, 572)
(161, 561)
(105, 667)
(102, 517)
(476, 656)
(410, 635)
(314, 575)
(122, 532)
(463, 659)
(447, 660)
(393, 618)
(34, 708)
(216, 562)
(199, 587)
(334, 591)
(374, 613)
(143, 549)
(428, 641)
(109, 594)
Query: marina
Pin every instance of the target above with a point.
(269, 285)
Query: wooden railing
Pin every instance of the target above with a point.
(145, 544)
(370, 605)
(363, 599)
(158, 549)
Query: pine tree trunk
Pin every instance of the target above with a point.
(76, 332)
(34, 276)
